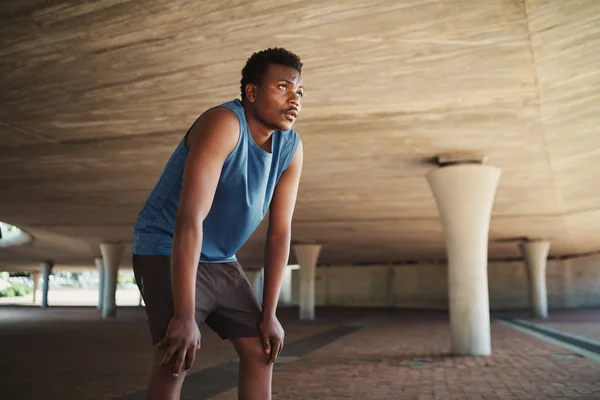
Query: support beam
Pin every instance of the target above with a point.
(257, 280)
(464, 194)
(101, 278)
(258, 283)
(285, 294)
(36, 275)
(307, 256)
(46, 268)
(535, 253)
(111, 256)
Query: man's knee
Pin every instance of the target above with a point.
(250, 350)
(163, 385)
(166, 370)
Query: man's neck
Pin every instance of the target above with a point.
(260, 133)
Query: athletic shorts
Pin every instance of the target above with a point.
(224, 297)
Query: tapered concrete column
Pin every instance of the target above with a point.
(307, 256)
(101, 273)
(285, 294)
(257, 280)
(111, 256)
(36, 284)
(464, 195)
(46, 267)
(536, 253)
(259, 284)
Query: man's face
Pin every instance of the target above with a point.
(278, 98)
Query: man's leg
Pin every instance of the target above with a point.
(153, 276)
(255, 374)
(162, 384)
(236, 318)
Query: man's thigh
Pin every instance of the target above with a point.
(237, 312)
(153, 277)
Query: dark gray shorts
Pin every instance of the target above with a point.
(224, 297)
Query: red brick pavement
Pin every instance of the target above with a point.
(405, 358)
(71, 353)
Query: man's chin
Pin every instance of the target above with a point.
(286, 126)
(282, 125)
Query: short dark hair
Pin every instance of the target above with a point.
(258, 63)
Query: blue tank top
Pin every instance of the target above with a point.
(241, 201)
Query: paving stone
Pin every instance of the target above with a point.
(71, 353)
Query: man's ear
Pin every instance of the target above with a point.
(251, 92)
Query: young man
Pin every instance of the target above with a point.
(237, 161)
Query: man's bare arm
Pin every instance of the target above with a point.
(277, 253)
(209, 142)
(280, 230)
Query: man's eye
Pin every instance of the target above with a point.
(282, 87)
(301, 94)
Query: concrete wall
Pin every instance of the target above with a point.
(570, 283)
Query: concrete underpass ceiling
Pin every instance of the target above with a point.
(95, 96)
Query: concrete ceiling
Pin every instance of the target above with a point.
(94, 96)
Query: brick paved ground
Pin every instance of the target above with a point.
(70, 353)
(404, 358)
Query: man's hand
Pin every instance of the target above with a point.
(272, 336)
(182, 340)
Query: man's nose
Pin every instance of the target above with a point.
(295, 100)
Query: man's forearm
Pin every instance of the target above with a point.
(277, 251)
(184, 265)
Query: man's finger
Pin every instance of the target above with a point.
(280, 349)
(181, 355)
(189, 358)
(273, 356)
(198, 345)
(266, 344)
(168, 355)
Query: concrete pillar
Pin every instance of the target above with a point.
(111, 256)
(36, 275)
(285, 294)
(307, 255)
(101, 274)
(464, 196)
(257, 280)
(258, 283)
(535, 253)
(46, 267)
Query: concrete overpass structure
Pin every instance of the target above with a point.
(405, 101)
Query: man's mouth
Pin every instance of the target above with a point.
(293, 112)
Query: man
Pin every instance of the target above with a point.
(237, 161)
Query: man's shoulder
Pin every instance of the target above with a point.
(216, 123)
(229, 111)
(234, 105)
(226, 110)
